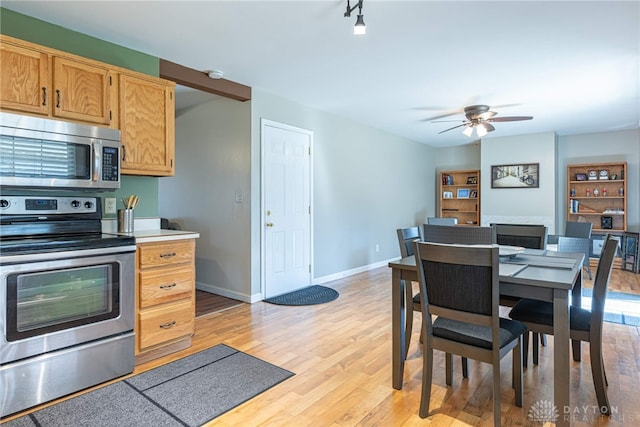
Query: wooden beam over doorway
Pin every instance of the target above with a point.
(200, 80)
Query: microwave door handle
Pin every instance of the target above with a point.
(97, 160)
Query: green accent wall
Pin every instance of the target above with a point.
(56, 37)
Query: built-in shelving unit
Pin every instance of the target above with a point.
(459, 193)
(597, 193)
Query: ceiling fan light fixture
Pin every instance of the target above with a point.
(482, 131)
(468, 131)
(360, 28)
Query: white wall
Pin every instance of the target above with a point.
(367, 183)
(213, 152)
(520, 205)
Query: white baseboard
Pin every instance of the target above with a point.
(228, 293)
(317, 281)
(347, 273)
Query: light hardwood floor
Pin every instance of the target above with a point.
(341, 355)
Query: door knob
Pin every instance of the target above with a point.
(269, 224)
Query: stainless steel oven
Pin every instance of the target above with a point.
(67, 300)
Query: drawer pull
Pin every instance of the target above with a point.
(168, 325)
(173, 285)
(168, 255)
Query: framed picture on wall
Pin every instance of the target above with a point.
(520, 175)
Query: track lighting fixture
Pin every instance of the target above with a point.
(360, 27)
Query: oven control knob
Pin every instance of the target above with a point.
(75, 204)
(4, 203)
(88, 205)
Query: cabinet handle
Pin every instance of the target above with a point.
(168, 325)
(124, 153)
(173, 285)
(44, 95)
(58, 98)
(168, 255)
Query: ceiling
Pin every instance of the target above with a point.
(574, 66)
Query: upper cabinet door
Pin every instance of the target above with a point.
(24, 85)
(147, 117)
(81, 91)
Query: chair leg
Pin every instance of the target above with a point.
(543, 340)
(516, 369)
(465, 367)
(599, 377)
(536, 348)
(496, 394)
(525, 349)
(408, 326)
(448, 368)
(427, 376)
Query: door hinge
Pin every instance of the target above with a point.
(309, 209)
(309, 150)
(110, 116)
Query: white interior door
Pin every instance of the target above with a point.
(286, 207)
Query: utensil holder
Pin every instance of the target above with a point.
(125, 220)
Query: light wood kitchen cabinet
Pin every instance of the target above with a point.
(165, 293)
(147, 124)
(25, 83)
(81, 91)
(40, 81)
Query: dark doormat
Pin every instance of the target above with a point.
(188, 392)
(315, 294)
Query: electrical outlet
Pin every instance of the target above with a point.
(377, 247)
(110, 205)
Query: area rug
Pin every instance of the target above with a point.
(188, 392)
(618, 307)
(311, 295)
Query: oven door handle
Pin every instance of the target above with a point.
(49, 256)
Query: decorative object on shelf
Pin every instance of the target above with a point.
(595, 192)
(593, 174)
(603, 174)
(572, 193)
(604, 192)
(447, 179)
(473, 194)
(587, 192)
(620, 191)
(463, 193)
(447, 194)
(622, 173)
(472, 180)
(613, 177)
(606, 222)
(523, 175)
(581, 177)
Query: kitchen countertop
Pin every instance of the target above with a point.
(147, 230)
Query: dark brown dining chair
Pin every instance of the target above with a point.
(406, 238)
(442, 221)
(460, 286)
(578, 230)
(453, 234)
(585, 325)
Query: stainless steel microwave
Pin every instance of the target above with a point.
(43, 153)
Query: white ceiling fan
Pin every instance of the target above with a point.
(479, 118)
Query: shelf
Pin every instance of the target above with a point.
(596, 213)
(593, 181)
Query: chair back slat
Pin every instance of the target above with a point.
(460, 235)
(601, 282)
(406, 237)
(530, 236)
(578, 229)
(460, 278)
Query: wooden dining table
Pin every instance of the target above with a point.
(547, 276)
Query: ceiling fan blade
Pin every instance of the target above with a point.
(455, 127)
(487, 115)
(489, 127)
(448, 121)
(510, 119)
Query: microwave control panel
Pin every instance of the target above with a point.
(110, 164)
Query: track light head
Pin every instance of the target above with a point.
(360, 27)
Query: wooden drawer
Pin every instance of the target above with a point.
(166, 253)
(165, 323)
(164, 285)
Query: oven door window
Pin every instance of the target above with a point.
(48, 301)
